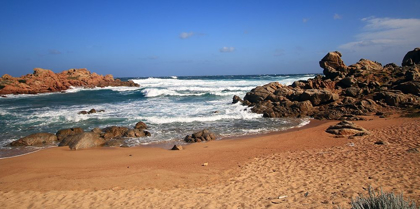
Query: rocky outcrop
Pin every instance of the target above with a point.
(43, 81)
(37, 139)
(200, 136)
(359, 89)
(345, 128)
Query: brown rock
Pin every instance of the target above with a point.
(203, 135)
(177, 147)
(140, 125)
(63, 133)
(37, 139)
(346, 128)
(333, 65)
(83, 141)
(318, 97)
(114, 131)
(42, 81)
(411, 58)
(236, 99)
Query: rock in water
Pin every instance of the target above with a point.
(347, 128)
(236, 99)
(140, 125)
(38, 139)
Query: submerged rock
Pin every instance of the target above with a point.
(37, 139)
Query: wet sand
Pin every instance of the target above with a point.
(306, 167)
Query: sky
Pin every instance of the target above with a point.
(202, 37)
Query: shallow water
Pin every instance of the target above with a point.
(171, 106)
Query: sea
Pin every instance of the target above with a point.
(172, 107)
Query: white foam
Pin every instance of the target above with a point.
(152, 92)
(73, 89)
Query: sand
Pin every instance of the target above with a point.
(301, 168)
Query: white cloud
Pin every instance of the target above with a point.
(337, 16)
(227, 49)
(305, 20)
(385, 33)
(185, 35)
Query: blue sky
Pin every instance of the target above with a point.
(164, 38)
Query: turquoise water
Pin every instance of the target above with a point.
(172, 107)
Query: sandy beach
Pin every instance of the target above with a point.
(301, 168)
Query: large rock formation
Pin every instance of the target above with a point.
(42, 81)
(358, 89)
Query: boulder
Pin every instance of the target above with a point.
(411, 58)
(37, 139)
(347, 82)
(352, 91)
(410, 87)
(140, 125)
(63, 133)
(366, 65)
(118, 142)
(318, 97)
(97, 130)
(92, 111)
(82, 141)
(135, 133)
(177, 147)
(203, 135)
(260, 93)
(395, 98)
(236, 99)
(347, 128)
(333, 65)
(114, 131)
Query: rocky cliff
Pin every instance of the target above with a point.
(343, 91)
(43, 81)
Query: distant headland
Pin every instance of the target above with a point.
(45, 81)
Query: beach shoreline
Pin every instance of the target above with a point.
(257, 167)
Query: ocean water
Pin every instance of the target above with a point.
(172, 107)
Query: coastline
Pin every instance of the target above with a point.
(248, 171)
